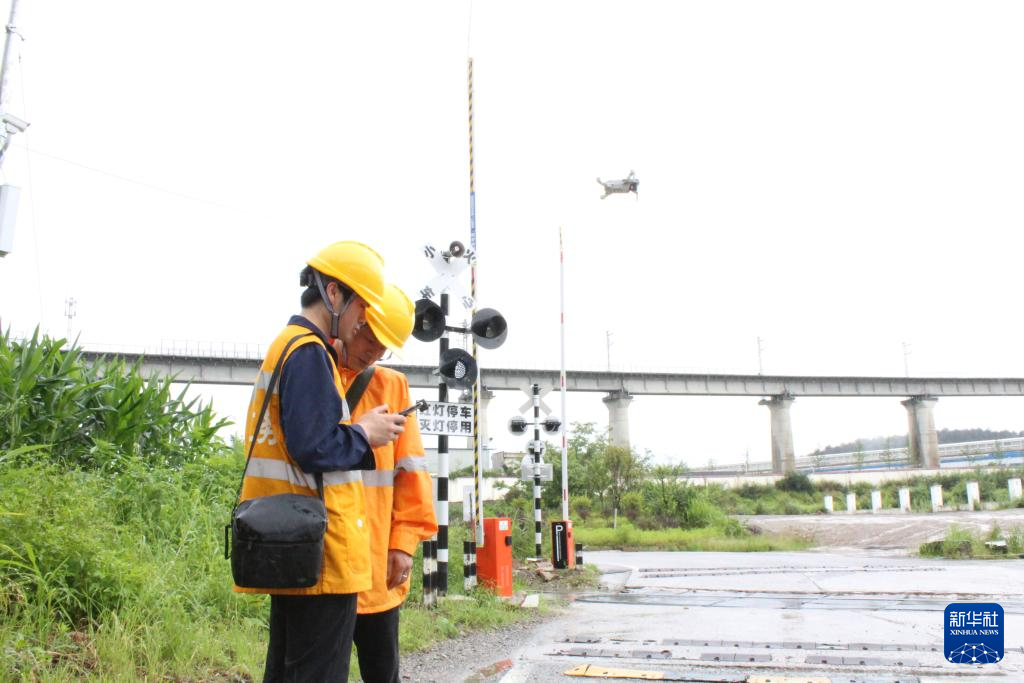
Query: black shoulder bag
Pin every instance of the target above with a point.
(276, 541)
(359, 384)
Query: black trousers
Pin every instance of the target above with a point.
(376, 640)
(310, 638)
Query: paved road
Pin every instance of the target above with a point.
(844, 616)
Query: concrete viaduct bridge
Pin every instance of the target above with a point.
(776, 392)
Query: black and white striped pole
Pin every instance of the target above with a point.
(537, 449)
(468, 565)
(429, 572)
(469, 546)
(442, 475)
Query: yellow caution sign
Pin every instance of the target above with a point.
(601, 672)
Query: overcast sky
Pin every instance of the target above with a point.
(839, 179)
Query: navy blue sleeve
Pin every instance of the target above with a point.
(310, 410)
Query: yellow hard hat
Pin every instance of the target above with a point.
(356, 265)
(393, 325)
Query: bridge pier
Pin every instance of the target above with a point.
(618, 417)
(783, 455)
(922, 440)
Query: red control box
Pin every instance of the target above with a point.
(494, 557)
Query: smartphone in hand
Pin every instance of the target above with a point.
(418, 405)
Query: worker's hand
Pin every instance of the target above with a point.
(381, 427)
(399, 566)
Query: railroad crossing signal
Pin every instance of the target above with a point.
(456, 367)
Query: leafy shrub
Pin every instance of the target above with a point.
(60, 536)
(700, 512)
(795, 482)
(1015, 540)
(732, 528)
(646, 521)
(580, 506)
(147, 537)
(95, 414)
(631, 505)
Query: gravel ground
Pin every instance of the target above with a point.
(477, 658)
(484, 656)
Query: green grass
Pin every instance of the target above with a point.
(711, 539)
(116, 578)
(421, 627)
(962, 543)
(112, 575)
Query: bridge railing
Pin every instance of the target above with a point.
(185, 348)
(414, 356)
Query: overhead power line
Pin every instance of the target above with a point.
(133, 181)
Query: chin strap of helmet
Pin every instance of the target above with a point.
(335, 315)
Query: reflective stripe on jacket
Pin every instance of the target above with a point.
(399, 495)
(272, 470)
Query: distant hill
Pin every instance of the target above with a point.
(879, 443)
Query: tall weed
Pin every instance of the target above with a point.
(95, 414)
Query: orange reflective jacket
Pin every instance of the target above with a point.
(272, 471)
(399, 496)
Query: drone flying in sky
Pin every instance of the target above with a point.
(628, 184)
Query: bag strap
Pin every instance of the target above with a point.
(358, 387)
(263, 411)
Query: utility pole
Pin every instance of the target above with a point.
(9, 125)
(760, 351)
(608, 342)
(906, 356)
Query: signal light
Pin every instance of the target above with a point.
(552, 425)
(517, 425)
(489, 328)
(458, 369)
(429, 323)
